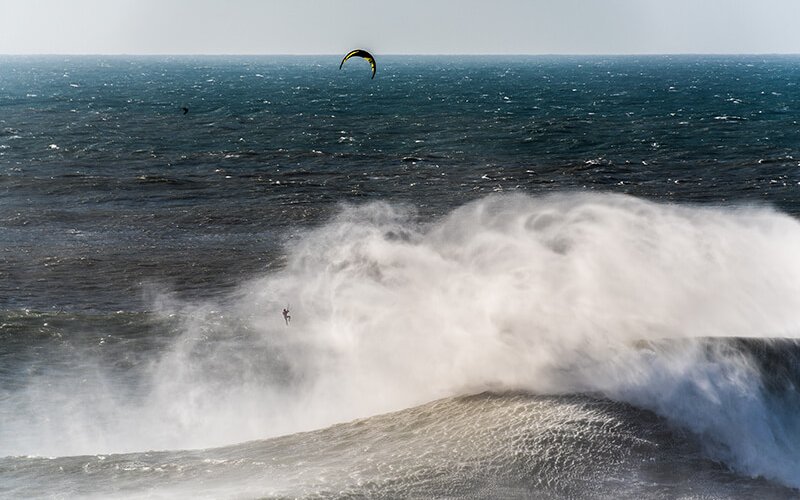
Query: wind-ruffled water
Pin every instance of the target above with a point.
(508, 277)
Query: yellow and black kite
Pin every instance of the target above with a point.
(360, 53)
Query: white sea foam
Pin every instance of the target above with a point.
(549, 295)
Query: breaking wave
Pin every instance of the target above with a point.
(605, 295)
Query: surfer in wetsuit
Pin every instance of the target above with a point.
(286, 316)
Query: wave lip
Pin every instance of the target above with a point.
(738, 396)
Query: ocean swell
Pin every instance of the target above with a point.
(550, 295)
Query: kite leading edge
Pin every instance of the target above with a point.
(360, 53)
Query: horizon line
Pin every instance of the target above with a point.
(392, 54)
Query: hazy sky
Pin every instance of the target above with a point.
(398, 27)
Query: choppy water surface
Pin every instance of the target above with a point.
(528, 229)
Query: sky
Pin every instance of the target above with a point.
(399, 26)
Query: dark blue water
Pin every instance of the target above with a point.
(144, 252)
(103, 174)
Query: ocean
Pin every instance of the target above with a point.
(507, 277)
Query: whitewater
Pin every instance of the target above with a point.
(523, 277)
(607, 296)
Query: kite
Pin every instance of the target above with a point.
(361, 53)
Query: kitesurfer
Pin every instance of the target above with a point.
(185, 110)
(286, 316)
(363, 54)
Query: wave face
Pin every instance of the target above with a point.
(555, 295)
(509, 445)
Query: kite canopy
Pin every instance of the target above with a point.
(360, 53)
